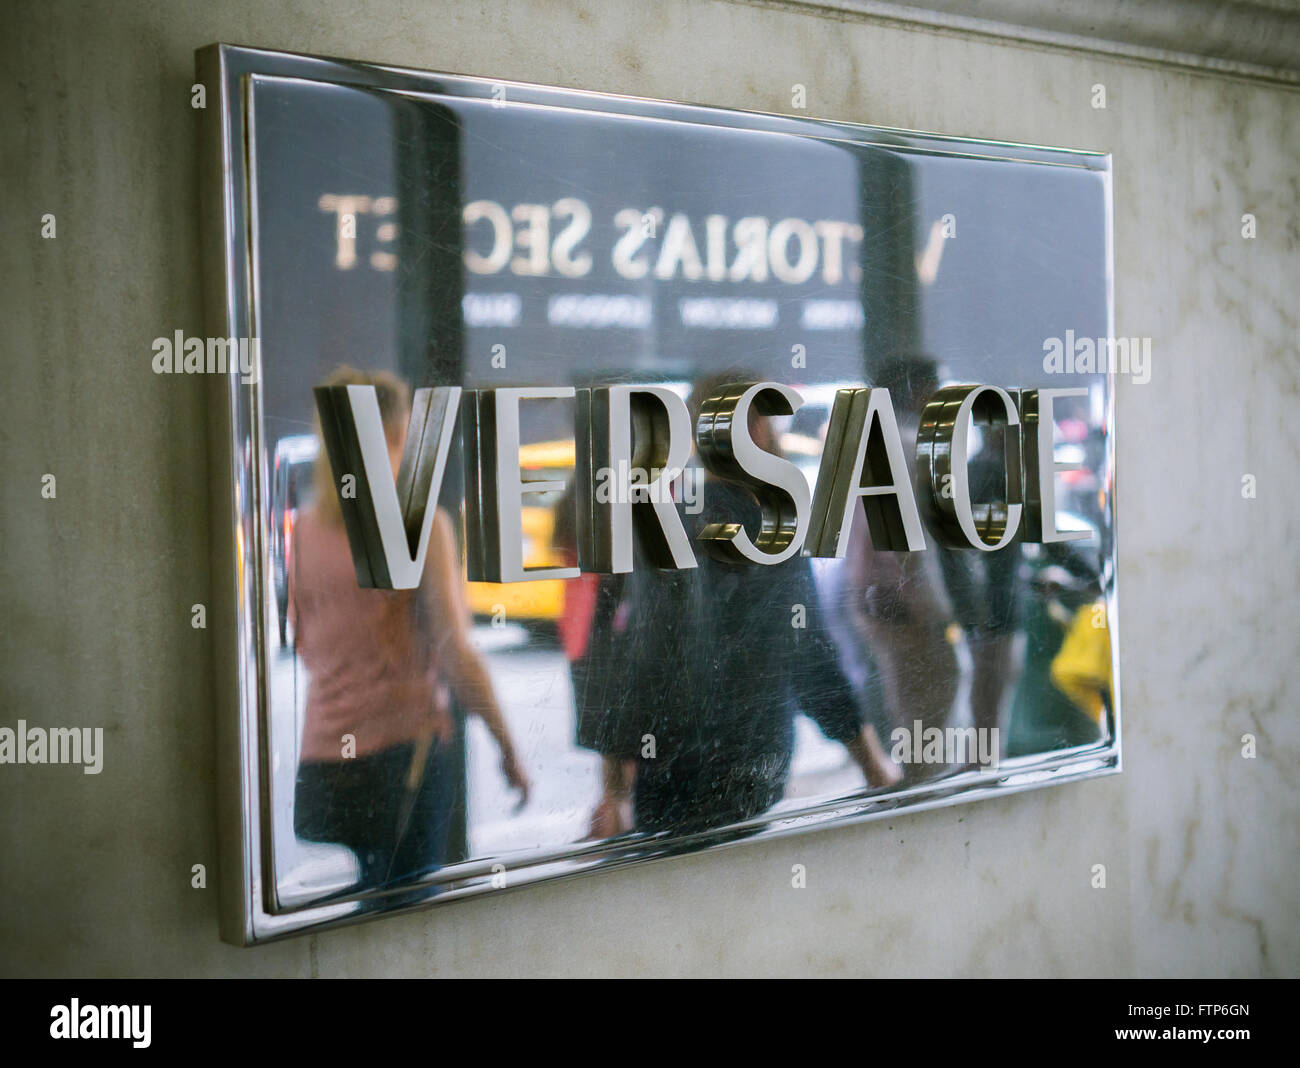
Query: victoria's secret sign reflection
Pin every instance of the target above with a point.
(533, 240)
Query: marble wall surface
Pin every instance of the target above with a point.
(1201, 846)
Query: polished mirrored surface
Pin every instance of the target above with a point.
(408, 231)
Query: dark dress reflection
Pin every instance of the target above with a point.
(721, 672)
(693, 680)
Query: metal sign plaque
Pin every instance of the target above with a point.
(597, 479)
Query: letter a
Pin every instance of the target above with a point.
(863, 459)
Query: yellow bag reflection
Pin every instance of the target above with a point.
(1081, 669)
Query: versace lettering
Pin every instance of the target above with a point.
(625, 429)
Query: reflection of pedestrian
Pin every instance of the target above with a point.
(985, 593)
(592, 628)
(855, 658)
(713, 666)
(897, 601)
(730, 654)
(1081, 670)
(374, 774)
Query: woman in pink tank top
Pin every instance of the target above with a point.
(374, 773)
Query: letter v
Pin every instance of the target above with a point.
(388, 523)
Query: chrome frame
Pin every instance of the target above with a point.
(239, 480)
